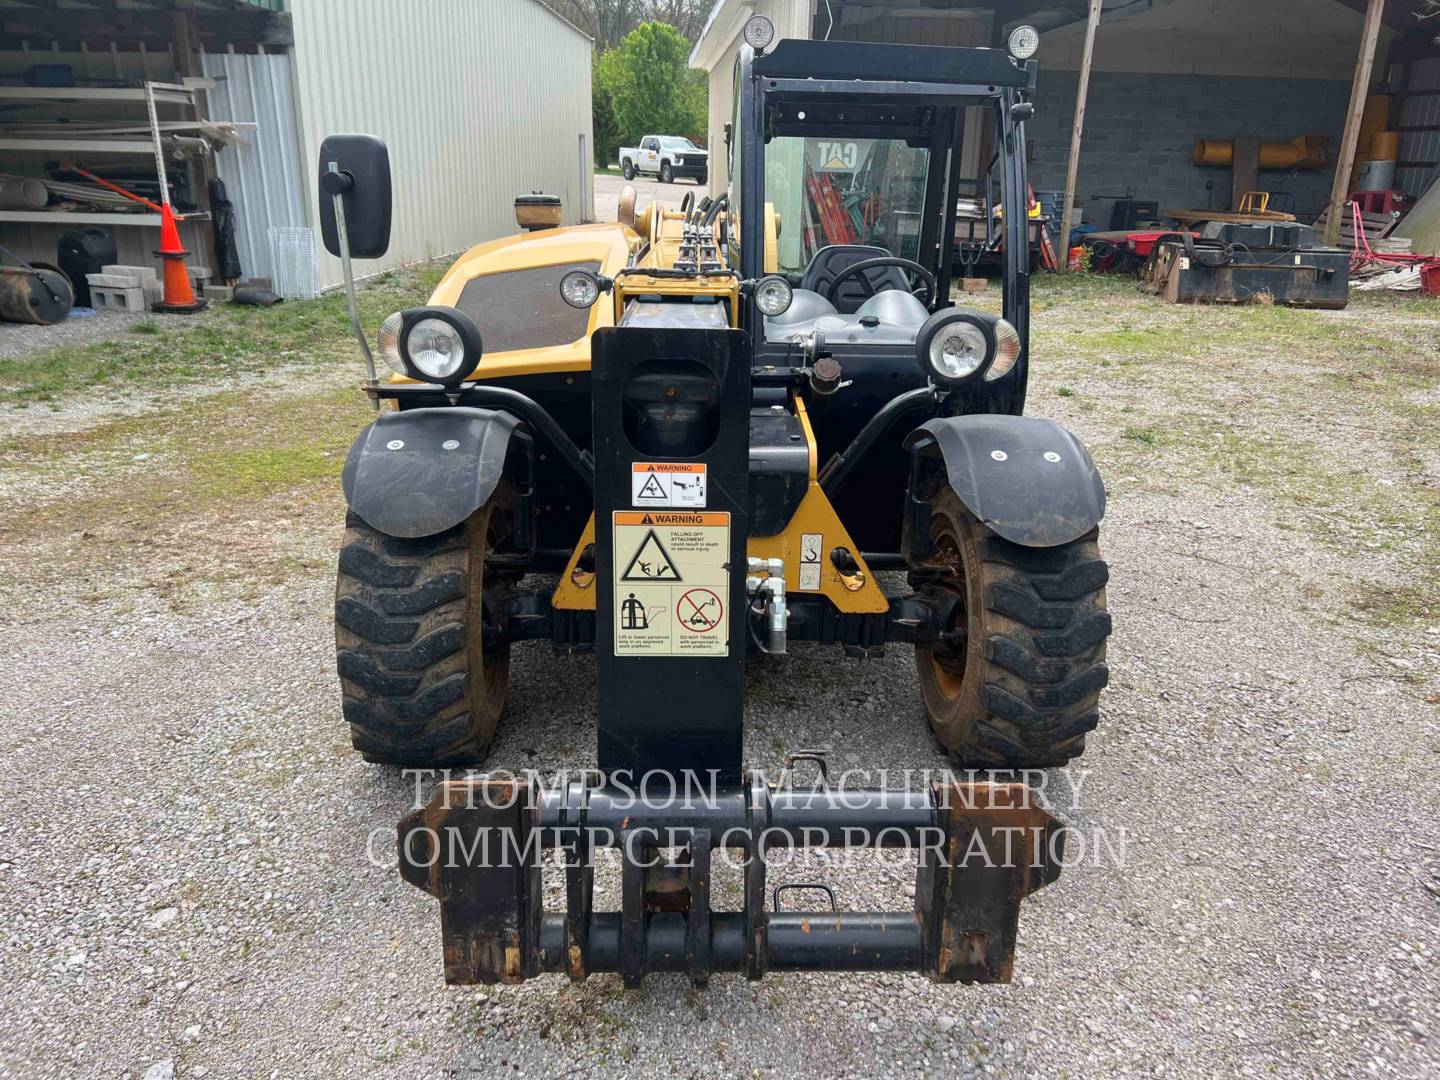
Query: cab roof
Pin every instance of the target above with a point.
(837, 62)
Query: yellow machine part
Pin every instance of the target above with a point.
(608, 244)
(612, 245)
(632, 285)
(858, 594)
(1303, 152)
(1373, 122)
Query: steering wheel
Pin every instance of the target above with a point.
(909, 265)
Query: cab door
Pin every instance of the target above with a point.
(650, 155)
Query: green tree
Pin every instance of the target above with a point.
(644, 87)
(608, 21)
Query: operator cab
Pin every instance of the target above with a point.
(862, 172)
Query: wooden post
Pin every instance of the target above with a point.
(1359, 91)
(1072, 173)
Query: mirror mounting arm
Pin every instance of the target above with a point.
(336, 183)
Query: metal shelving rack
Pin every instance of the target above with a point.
(181, 96)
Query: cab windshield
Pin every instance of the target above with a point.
(674, 142)
(845, 191)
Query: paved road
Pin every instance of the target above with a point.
(607, 193)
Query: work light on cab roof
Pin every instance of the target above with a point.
(1024, 42)
(759, 32)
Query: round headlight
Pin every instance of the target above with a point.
(580, 289)
(957, 351)
(759, 32)
(955, 345)
(439, 345)
(388, 342)
(1024, 42)
(435, 347)
(1007, 351)
(773, 295)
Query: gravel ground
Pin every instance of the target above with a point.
(22, 339)
(184, 881)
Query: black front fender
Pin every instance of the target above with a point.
(1026, 478)
(422, 471)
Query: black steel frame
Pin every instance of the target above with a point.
(477, 847)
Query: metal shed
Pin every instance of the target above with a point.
(479, 102)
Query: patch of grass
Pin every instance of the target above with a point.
(1398, 606)
(238, 473)
(1064, 391)
(1140, 435)
(145, 326)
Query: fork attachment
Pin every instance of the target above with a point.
(477, 847)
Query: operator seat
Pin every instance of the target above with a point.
(829, 261)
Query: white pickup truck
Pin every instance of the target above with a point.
(667, 156)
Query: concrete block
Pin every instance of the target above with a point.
(974, 284)
(154, 291)
(198, 273)
(140, 273)
(104, 299)
(113, 281)
(219, 294)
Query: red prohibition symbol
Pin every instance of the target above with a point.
(700, 610)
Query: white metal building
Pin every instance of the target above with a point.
(479, 101)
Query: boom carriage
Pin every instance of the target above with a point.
(717, 427)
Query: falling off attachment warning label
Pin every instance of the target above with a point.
(671, 583)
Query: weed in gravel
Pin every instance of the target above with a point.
(1389, 605)
(145, 326)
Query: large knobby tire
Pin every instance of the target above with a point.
(1025, 687)
(421, 684)
(628, 168)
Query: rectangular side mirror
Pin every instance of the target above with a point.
(357, 167)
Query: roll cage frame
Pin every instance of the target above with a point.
(916, 92)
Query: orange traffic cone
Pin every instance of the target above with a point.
(179, 298)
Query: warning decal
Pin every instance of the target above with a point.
(667, 483)
(671, 581)
(700, 611)
(651, 562)
(810, 547)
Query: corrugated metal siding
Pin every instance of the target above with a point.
(262, 177)
(961, 29)
(478, 102)
(1421, 109)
